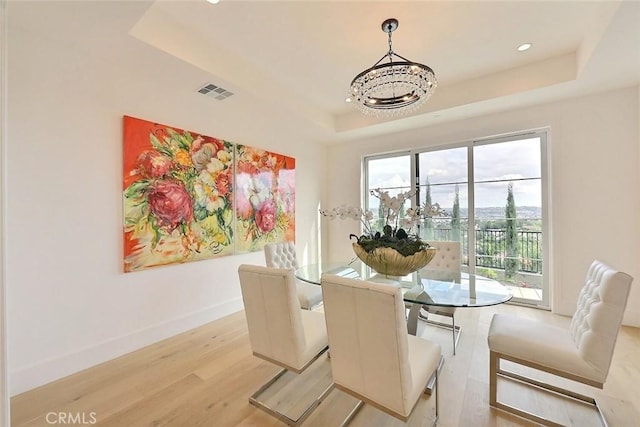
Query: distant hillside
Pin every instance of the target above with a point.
(523, 212)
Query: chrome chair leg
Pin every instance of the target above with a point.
(352, 414)
(253, 400)
(455, 329)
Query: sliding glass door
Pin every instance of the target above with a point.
(491, 194)
(508, 214)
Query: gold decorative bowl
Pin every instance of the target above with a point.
(390, 262)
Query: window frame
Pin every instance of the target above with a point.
(543, 135)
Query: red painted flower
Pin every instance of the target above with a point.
(152, 164)
(247, 167)
(266, 216)
(223, 182)
(170, 204)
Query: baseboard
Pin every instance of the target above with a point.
(631, 318)
(30, 377)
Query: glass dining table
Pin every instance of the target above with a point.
(431, 288)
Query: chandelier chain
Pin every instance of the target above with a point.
(393, 71)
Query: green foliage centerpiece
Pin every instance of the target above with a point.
(391, 251)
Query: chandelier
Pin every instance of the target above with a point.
(394, 87)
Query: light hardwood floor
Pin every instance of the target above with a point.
(204, 377)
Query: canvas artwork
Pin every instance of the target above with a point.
(178, 195)
(265, 198)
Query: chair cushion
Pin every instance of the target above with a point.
(440, 311)
(424, 357)
(540, 343)
(315, 333)
(309, 295)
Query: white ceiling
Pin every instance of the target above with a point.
(302, 55)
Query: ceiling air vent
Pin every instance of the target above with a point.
(215, 92)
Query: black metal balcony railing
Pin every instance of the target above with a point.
(491, 248)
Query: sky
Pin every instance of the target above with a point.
(495, 166)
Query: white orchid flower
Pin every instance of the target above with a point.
(395, 203)
(407, 223)
(355, 213)
(331, 214)
(385, 198)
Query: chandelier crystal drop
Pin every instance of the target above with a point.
(394, 87)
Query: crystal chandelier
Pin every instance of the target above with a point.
(394, 87)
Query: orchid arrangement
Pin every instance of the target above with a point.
(396, 227)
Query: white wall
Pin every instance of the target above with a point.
(4, 389)
(595, 168)
(70, 305)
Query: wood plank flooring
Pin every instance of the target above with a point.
(204, 377)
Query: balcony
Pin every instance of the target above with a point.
(491, 257)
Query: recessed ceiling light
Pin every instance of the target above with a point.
(524, 46)
(213, 1)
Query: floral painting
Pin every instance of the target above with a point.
(265, 198)
(178, 195)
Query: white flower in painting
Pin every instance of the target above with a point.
(257, 192)
(224, 156)
(206, 195)
(206, 178)
(215, 165)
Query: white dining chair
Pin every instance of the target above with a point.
(373, 358)
(581, 353)
(445, 266)
(283, 255)
(279, 331)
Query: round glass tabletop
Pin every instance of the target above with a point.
(426, 287)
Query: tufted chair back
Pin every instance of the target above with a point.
(446, 264)
(281, 255)
(596, 322)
